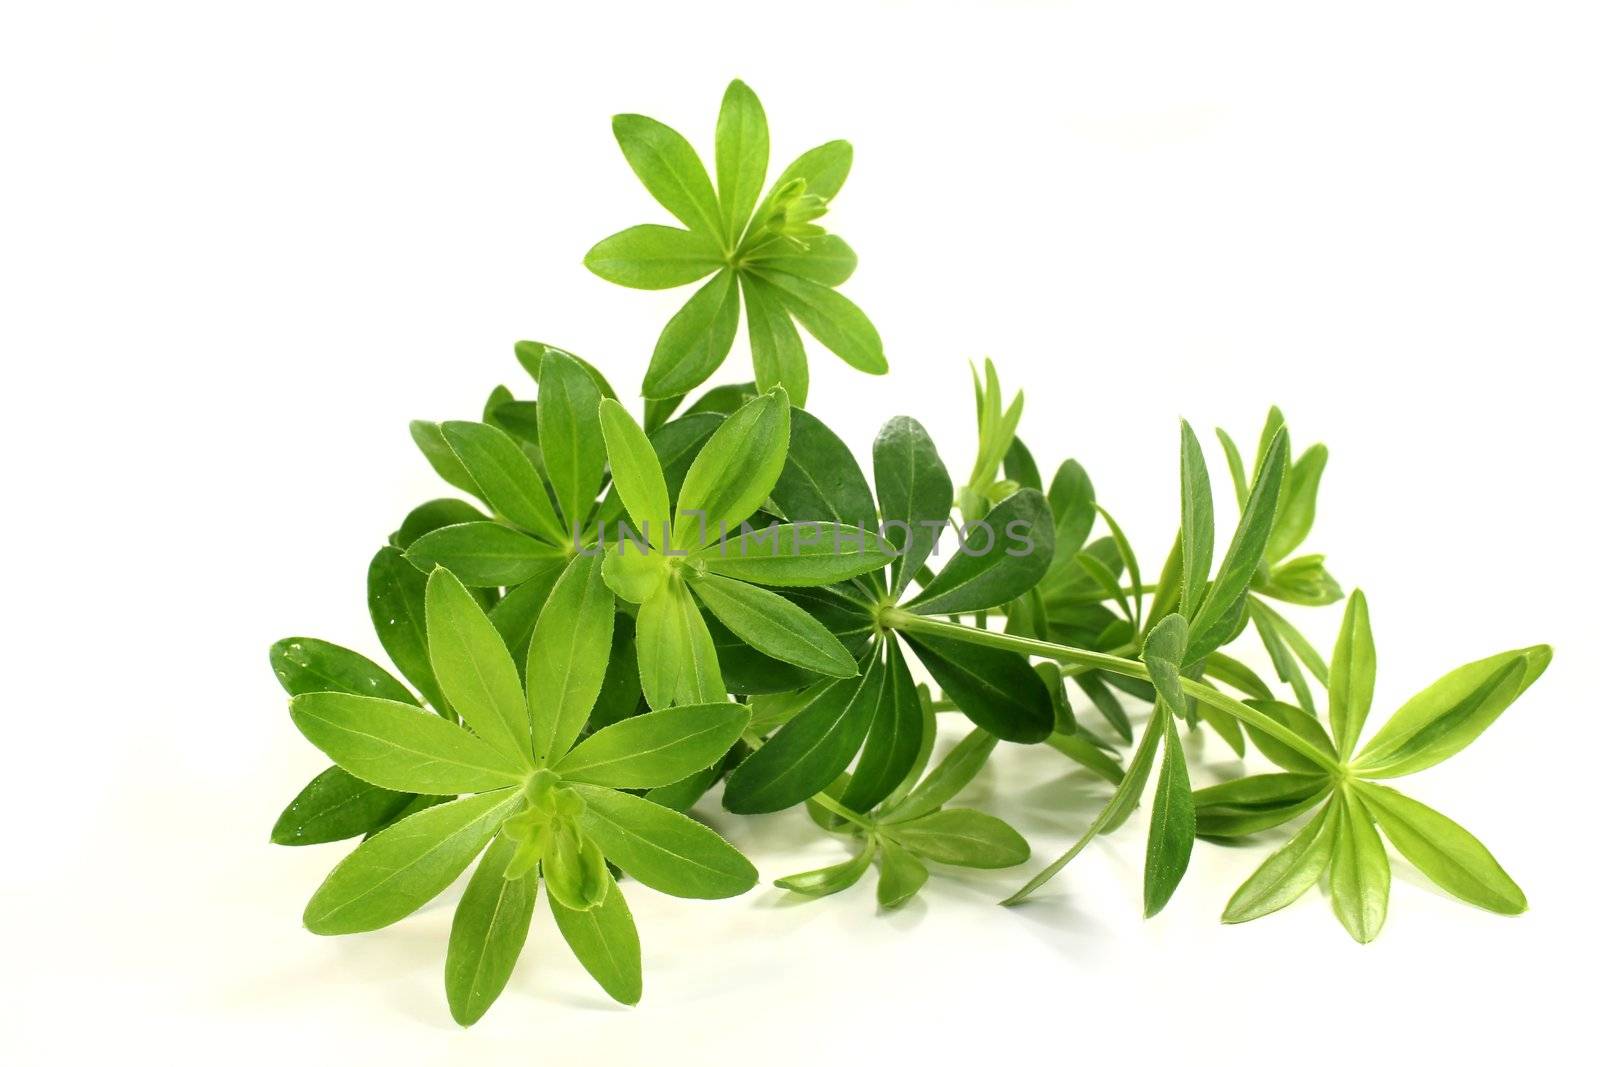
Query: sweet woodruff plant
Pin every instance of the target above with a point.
(615, 615)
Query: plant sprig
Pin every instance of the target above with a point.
(623, 614)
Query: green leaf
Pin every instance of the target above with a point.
(425, 518)
(656, 749)
(1172, 824)
(677, 659)
(696, 340)
(994, 688)
(1199, 524)
(307, 665)
(900, 875)
(1259, 802)
(1287, 873)
(570, 436)
(1241, 484)
(1354, 673)
(487, 934)
(1213, 621)
(655, 257)
(1449, 715)
(821, 479)
(774, 626)
(1302, 580)
(813, 748)
(1359, 875)
(474, 669)
(430, 439)
(1078, 748)
(1002, 556)
(516, 613)
(807, 553)
(333, 806)
(1303, 723)
(531, 355)
(399, 746)
(670, 170)
(962, 837)
(832, 319)
(567, 656)
(606, 943)
(664, 850)
(1441, 849)
(395, 601)
(574, 868)
(510, 483)
(826, 881)
(826, 260)
(484, 554)
(396, 871)
(741, 156)
(1072, 505)
(894, 739)
(1299, 508)
(914, 493)
(636, 473)
(775, 346)
(1163, 655)
(734, 472)
(953, 774)
(824, 169)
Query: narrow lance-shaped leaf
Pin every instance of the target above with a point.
(774, 626)
(656, 749)
(776, 350)
(473, 667)
(396, 601)
(507, 477)
(734, 472)
(1002, 556)
(1359, 877)
(655, 257)
(1441, 849)
(696, 340)
(1172, 825)
(567, 656)
(666, 851)
(962, 837)
(914, 494)
(1352, 677)
(1287, 873)
(741, 156)
(636, 472)
(487, 934)
(670, 170)
(826, 881)
(570, 436)
(1198, 527)
(677, 658)
(606, 943)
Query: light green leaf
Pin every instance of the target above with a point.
(663, 849)
(808, 553)
(1287, 873)
(773, 626)
(824, 169)
(484, 554)
(1354, 673)
(1359, 875)
(510, 483)
(473, 667)
(677, 659)
(962, 837)
(606, 943)
(567, 656)
(900, 875)
(1449, 715)
(487, 934)
(632, 573)
(655, 257)
(396, 871)
(636, 472)
(826, 881)
(826, 260)
(776, 350)
(832, 319)
(741, 156)
(734, 472)
(1441, 849)
(671, 170)
(399, 746)
(570, 436)
(953, 774)
(696, 340)
(656, 749)
(1299, 508)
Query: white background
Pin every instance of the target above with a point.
(242, 245)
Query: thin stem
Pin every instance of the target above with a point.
(1086, 659)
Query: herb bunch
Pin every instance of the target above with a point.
(628, 612)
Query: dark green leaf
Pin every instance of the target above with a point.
(914, 493)
(333, 806)
(894, 739)
(1001, 557)
(996, 689)
(395, 601)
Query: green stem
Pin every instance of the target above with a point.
(1086, 659)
